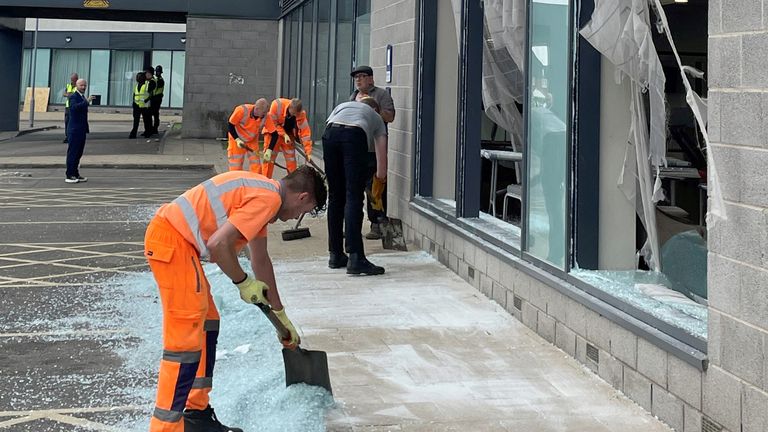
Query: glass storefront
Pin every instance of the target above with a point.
(111, 74)
(322, 42)
(530, 48)
(548, 101)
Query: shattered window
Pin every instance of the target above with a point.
(654, 185)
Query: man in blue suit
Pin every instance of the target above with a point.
(77, 127)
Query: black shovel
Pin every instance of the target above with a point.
(301, 366)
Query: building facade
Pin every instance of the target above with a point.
(108, 54)
(513, 160)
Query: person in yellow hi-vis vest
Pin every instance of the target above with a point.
(141, 98)
(245, 125)
(286, 122)
(68, 90)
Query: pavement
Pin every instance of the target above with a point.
(417, 349)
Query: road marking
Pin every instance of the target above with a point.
(67, 333)
(60, 415)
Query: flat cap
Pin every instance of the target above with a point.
(361, 69)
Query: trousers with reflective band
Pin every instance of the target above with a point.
(190, 326)
(237, 156)
(288, 150)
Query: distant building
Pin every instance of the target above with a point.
(108, 54)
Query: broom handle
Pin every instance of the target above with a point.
(298, 222)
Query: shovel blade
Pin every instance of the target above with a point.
(308, 367)
(392, 234)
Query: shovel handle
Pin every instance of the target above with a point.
(300, 150)
(281, 330)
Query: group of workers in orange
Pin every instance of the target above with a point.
(281, 123)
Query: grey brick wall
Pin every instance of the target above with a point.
(735, 388)
(394, 23)
(217, 48)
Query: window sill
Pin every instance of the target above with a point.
(487, 235)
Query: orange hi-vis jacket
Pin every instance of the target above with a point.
(246, 125)
(276, 118)
(249, 201)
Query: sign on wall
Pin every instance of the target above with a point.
(96, 3)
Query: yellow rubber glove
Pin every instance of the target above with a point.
(253, 291)
(287, 138)
(267, 156)
(293, 340)
(240, 143)
(377, 193)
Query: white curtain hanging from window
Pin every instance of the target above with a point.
(122, 76)
(503, 62)
(620, 31)
(65, 62)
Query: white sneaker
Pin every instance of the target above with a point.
(72, 180)
(82, 179)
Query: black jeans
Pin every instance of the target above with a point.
(155, 110)
(144, 114)
(75, 147)
(345, 153)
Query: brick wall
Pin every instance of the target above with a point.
(217, 48)
(736, 385)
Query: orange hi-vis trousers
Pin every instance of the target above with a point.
(289, 153)
(190, 326)
(236, 156)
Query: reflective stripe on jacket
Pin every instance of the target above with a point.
(71, 88)
(247, 200)
(276, 119)
(246, 125)
(141, 94)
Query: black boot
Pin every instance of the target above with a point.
(337, 260)
(204, 421)
(359, 264)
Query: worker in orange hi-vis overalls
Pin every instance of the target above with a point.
(245, 124)
(285, 122)
(216, 218)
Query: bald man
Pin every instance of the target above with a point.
(245, 124)
(77, 127)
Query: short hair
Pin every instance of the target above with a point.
(371, 102)
(308, 179)
(296, 105)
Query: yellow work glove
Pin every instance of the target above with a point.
(240, 143)
(377, 192)
(253, 291)
(309, 157)
(267, 156)
(287, 138)
(293, 339)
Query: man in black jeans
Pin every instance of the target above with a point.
(351, 130)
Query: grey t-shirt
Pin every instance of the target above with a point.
(381, 96)
(360, 115)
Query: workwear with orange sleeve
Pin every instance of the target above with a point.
(175, 240)
(279, 135)
(244, 129)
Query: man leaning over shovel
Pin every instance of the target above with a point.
(352, 130)
(216, 218)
